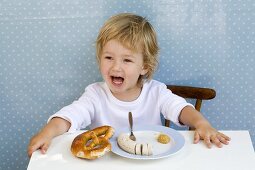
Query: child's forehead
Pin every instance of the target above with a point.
(123, 44)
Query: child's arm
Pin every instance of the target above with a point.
(203, 129)
(41, 140)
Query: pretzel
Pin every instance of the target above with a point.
(92, 144)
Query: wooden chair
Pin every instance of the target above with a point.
(189, 92)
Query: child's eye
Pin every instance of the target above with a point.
(127, 60)
(108, 57)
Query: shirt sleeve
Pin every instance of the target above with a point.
(171, 105)
(80, 113)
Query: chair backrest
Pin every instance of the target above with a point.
(189, 92)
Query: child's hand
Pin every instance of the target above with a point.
(39, 141)
(210, 136)
(55, 127)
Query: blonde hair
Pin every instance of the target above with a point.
(135, 33)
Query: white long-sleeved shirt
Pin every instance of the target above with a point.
(97, 106)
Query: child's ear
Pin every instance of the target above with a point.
(144, 71)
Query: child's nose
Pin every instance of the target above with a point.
(116, 66)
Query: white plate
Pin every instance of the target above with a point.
(149, 134)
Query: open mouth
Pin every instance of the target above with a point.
(117, 80)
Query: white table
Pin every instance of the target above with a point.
(238, 155)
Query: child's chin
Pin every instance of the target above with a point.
(117, 87)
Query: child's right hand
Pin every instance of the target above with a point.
(55, 127)
(39, 141)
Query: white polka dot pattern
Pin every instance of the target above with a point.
(47, 58)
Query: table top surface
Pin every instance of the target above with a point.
(239, 154)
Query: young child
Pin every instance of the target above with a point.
(127, 56)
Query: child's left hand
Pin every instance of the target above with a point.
(210, 136)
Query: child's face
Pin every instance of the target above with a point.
(121, 68)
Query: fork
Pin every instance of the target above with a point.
(130, 118)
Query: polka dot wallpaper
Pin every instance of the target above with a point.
(47, 58)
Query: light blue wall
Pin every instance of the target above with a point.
(47, 58)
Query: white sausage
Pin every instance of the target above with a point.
(138, 150)
(126, 144)
(133, 147)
